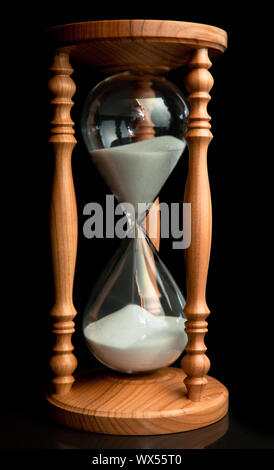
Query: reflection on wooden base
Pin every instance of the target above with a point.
(107, 402)
(65, 438)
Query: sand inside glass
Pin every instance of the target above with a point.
(134, 339)
(136, 172)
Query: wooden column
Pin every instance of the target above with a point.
(195, 363)
(63, 224)
(144, 130)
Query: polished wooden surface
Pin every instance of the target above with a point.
(153, 224)
(144, 127)
(144, 130)
(170, 400)
(65, 438)
(197, 192)
(63, 223)
(111, 403)
(151, 45)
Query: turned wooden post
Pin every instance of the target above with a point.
(195, 363)
(154, 403)
(144, 130)
(63, 224)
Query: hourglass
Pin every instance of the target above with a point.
(135, 125)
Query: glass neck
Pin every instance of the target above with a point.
(136, 219)
(136, 215)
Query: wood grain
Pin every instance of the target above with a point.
(63, 224)
(144, 130)
(149, 45)
(144, 127)
(196, 439)
(153, 224)
(111, 403)
(197, 192)
(170, 400)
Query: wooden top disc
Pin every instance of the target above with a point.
(148, 45)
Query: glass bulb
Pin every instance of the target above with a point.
(133, 126)
(128, 107)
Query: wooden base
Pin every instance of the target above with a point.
(107, 402)
(65, 438)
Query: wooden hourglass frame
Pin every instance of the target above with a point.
(171, 399)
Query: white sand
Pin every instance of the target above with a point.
(133, 340)
(136, 172)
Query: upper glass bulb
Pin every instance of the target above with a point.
(141, 118)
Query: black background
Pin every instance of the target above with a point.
(239, 290)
